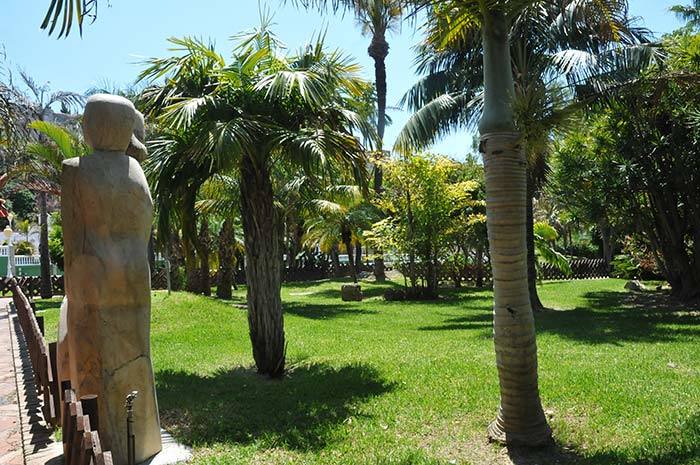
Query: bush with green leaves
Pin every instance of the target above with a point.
(24, 248)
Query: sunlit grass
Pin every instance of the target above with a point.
(381, 382)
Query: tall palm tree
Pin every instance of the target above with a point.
(65, 12)
(554, 48)
(260, 109)
(176, 178)
(520, 417)
(220, 197)
(39, 103)
(41, 173)
(376, 18)
(339, 218)
(477, 85)
(688, 13)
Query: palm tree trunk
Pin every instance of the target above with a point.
(378, 50)
(225, 275)
(189, 244)
(535, 301)
(204, 252)
(520, 418)
(191, 273)
(358, 258)
(351, 261)
(335, 260)
(152, 251)
(263, 268)
(46, 290)
(479, 279)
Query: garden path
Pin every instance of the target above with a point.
(24, 436)
(11, 452)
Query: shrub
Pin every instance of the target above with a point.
(24, 248)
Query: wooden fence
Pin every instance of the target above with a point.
(80, 425)
(41, 355)
(76, 417)
(581, 268)
(30, 285)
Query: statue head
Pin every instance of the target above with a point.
(137, 149)
(108, 122)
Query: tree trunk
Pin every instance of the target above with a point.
(606, 238)
(378, 50)
(411, 250)
(335, 260)
(670, 233)
(358, 258)
(535, 301)
(152, 251)
(347, 241)
(189, 246)
(432, 277)
(204, 252)
(191, 272)
(263, 265)
(226, 259)
(520, 419)
(479, 280)
(46, 289)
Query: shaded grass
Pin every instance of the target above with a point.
(404, 383)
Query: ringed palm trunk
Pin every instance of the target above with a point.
(46, 290)
(226, 259)
(263, 267)
(378, 50)
(520, 419)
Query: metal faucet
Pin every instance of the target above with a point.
(130, 438)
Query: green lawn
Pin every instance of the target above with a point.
(415, 383)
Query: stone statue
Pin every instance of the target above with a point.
(137, 149)
(107, 213)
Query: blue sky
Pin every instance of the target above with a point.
(128, 31)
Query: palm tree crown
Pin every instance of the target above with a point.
(261, 110)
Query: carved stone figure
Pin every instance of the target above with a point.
(107, 213)
(137, 149)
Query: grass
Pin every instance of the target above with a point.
(396, 383)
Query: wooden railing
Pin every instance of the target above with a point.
(77, 418)
(80, 425)
(31, 285)
(41, 355)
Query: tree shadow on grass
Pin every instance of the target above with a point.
(46, 304)
(368, 292)
(617, 317)
(324, 311)
(480, 321)
(304, 411)
(680, 446)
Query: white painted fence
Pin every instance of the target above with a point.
(25, 260)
